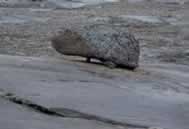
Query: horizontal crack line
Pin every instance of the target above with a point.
(64, 112)
(12, 98)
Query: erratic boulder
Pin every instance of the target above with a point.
(110, 44)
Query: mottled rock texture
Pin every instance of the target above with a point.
(112, 45)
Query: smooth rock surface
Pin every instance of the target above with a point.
(64, 4)
(153, 97)
(15, 116)
(108, 43)
(78, 3)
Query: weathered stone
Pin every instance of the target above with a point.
(112, 45)
(155, 96)
(19, 116)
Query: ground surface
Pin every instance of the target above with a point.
(161, 28)
(18, 117)
(156, 94)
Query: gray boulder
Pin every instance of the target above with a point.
(110, 44)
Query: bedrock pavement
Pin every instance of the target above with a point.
(69, 93)
(15, 116)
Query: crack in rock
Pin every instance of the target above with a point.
(12, 98)
(63, 112)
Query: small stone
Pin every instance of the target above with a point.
(88, 60)
(110, 64)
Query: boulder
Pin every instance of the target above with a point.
(113, 45)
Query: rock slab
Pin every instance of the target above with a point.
(111, 44)
(117, 95)
(14, 116)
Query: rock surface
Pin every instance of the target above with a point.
(60, 4)
(110, 44)
(155, 95)
(15, 116)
